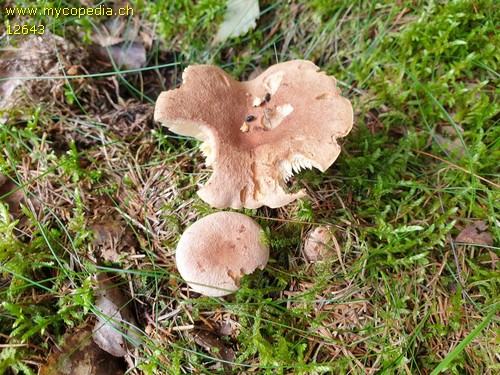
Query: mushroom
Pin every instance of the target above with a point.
(317, 245)
(297, 116)
(217, 250)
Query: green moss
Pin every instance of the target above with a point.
(395, 199)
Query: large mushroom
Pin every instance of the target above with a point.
(256, 134)
(216, 251)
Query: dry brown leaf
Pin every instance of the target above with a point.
(10, 70)
(12, 195)
(212, 343)
(33, 56)
(125, 55)
(115, 326)
(81, 356)
(119, 41)
(476, 233)
(112, 239)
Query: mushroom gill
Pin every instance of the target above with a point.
(257, 134)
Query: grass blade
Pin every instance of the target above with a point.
(458, 349)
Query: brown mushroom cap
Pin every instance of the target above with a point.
(217, 250)
(258, 133)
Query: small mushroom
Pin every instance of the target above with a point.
(298, 112)
(217, 250)
(318, 245)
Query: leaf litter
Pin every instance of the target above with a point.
(115, 330)
(476, 233)
(80, 355)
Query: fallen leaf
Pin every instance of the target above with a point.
(10, 69)
(115, 329)
(240, 16)
(12, 195)
(112, 239)
(33, 56)
(125, 55)
(213, 344)
(119, 42)
(117, 30)
(476, 233)
(81, 356)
